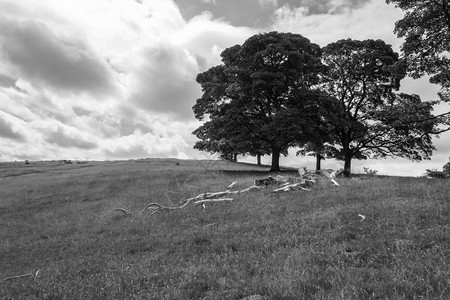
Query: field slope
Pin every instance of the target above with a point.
(59, 218)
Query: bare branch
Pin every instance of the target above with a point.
(126, 212)
(21, 276)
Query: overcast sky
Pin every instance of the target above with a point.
(115, 79)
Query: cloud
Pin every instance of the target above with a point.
(36, 54)
(67, 137)
(161, 143)
(343, 19)
(76, 75)
(7, 82)
(264, 3)
(7, 129)
(162, 74)
(206, 38)
(171, 72)
(213, 2)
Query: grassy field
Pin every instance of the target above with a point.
(58, 218)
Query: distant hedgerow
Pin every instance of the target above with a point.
(433, 173)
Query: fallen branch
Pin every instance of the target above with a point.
(126, 212)
(334, 181)
(250, 188)
(217, 194)
(21, 276)
(286, 184)
(232, 185)
(157, 207)
(290, 187)
(315, 176)
(200, 199)
(213, 200)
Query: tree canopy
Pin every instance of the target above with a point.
(220, 135)
(264, 92)
(426, 30)
(279, 90)
(370, 119)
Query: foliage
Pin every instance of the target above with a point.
(446, 168)
(370, 120)
(222, 136)
(445, 173)
(425, 28)
(262, 95)
(433, 173)
(370, 172)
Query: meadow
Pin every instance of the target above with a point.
(57, 219)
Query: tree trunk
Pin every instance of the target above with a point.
(275, 159)
(318, 161)
(258, 159)
(235, 157)
(348, 155)
(347, 165)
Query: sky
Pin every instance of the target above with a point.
(115, 79)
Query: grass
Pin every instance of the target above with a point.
(58, 218)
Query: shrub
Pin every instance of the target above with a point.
(370, 171)
(435, 174)
(446, 169)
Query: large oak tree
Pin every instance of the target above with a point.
(264, 89)
(371, 120)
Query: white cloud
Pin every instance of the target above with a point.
(32, 52)
(8, 129)
(273, 3)
(81, 79)
(374, 20)
(207, 38)
(214, 2)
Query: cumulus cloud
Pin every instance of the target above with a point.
(273, 3)
(7, 129)
(81, 79)
(67, 137)
(6, 81)
(343, 19)
(209, 2)
(161, 142)
(165, 81)
(34, 52)
(206, 37)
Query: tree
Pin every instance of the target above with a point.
(318, 149)
(265, 90)
(223, 137)
(426, 30)
(321, 146)
(370, 120)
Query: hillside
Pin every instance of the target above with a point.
(58, 218)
